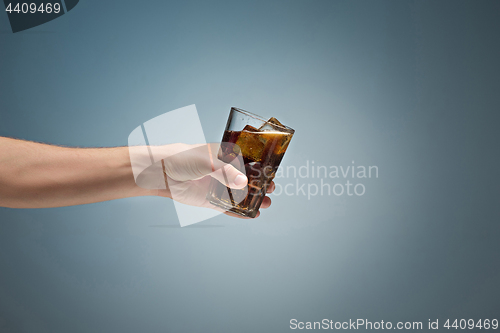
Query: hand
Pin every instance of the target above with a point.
(188, 169)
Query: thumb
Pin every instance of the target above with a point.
(227, 174)
(191, 162)
(230, 176)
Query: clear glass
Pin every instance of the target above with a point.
(262, 144)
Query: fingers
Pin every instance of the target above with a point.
(266, 203)
(271, 187)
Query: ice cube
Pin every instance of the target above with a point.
(273, 125)
(275, 121)
(251, 143)
(269, 126)
(285, 140)
(250, 128)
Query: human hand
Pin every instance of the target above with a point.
(187, 171)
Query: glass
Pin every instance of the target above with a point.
(262, 144)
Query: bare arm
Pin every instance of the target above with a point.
(34, 175)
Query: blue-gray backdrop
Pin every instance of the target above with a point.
(411, 87)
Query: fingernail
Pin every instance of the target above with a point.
(240, 180)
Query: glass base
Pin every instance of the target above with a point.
(232, 209)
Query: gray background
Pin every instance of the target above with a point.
(412, 87)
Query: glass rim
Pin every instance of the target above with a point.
(256, 116)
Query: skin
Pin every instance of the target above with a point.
(36, 175)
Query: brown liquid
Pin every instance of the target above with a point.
(262, 153)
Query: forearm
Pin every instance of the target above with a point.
(34, 175)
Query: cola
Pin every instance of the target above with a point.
(262, 149)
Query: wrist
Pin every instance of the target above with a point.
(123, 166)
